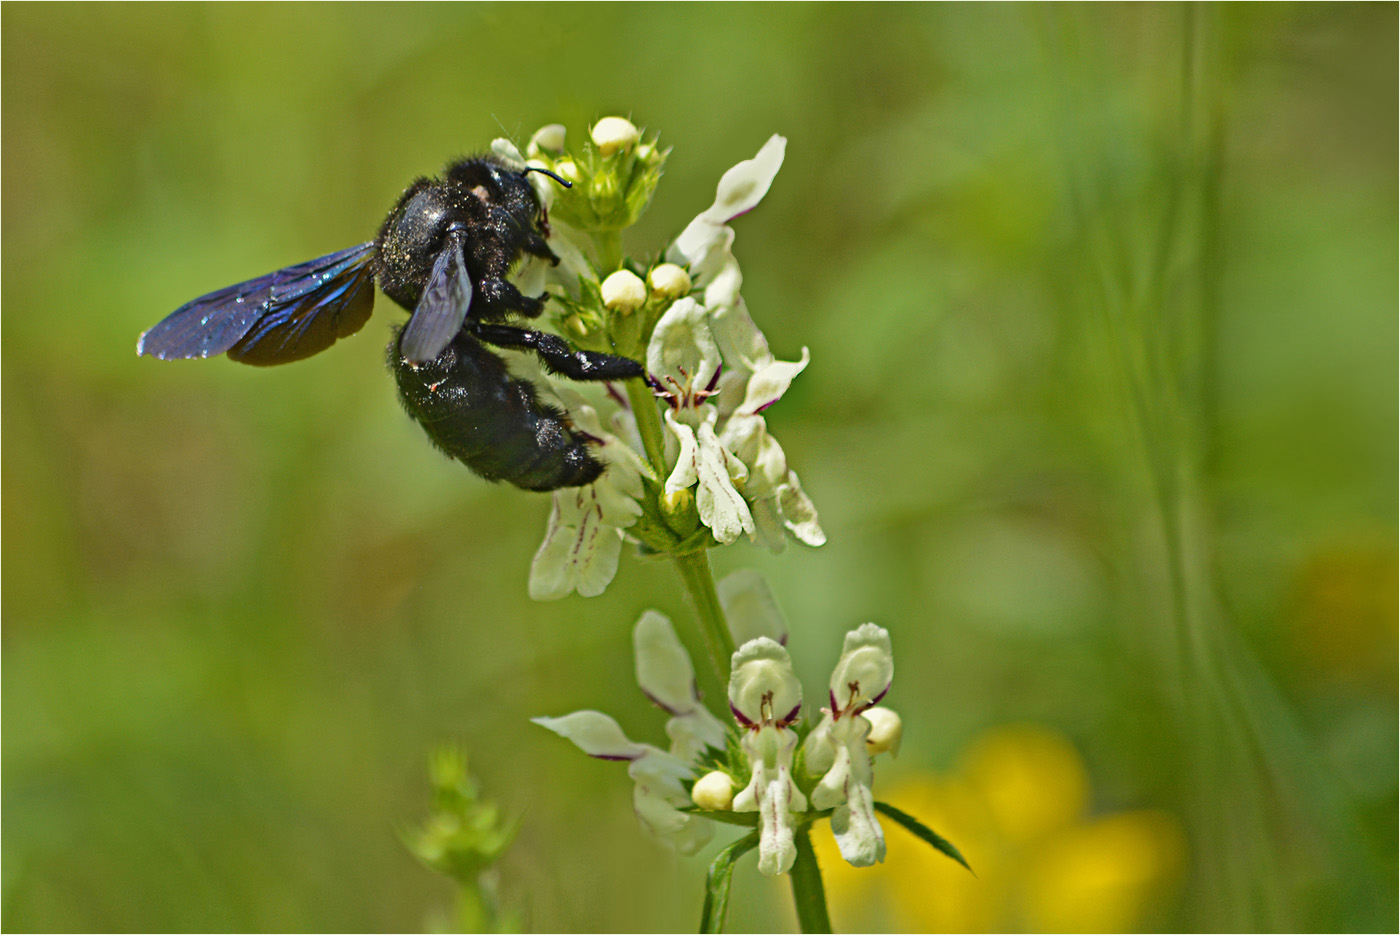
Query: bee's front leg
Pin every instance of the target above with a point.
(501, 296)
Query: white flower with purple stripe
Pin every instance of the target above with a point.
(766, 699)
(838, 747)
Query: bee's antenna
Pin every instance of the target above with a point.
(556, 178)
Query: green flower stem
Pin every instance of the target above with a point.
(808, 894)
(609, 244)
(648, 425)
(700, 585)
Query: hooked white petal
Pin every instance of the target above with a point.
(865, 668)
(743, 187)
(595, 734)
(664, 670)
(770, 381)
(857, 830)
(799, 513)
(762, 685)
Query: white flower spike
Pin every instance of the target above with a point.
(766, 698)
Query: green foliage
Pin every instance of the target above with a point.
(924, 833)
(463, 838)
(716, 905)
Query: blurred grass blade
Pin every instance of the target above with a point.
(924, 833)
(717, 882)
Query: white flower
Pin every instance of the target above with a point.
(766, 698)
(668, 679)
(744, 483)
(838, 744)
(752, 381)
(684, 361)
(583, 540)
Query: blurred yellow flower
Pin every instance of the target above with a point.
(1017, 808)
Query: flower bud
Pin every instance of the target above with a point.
(568, 171)
(669, 281)
(614, 134)
(678, 501)
(623, 292)
(575, 324)
(546, 139)
(713, 792)
(886, 731)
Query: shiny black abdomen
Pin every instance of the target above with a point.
(475, 411)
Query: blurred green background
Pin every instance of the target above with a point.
(1101, 421)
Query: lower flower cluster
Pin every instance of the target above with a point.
(786, 776)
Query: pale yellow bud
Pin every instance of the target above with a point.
(613, 134)
(677, 501)
(669, 281)
(567, 170)
(886, 731)
(623, 292)
(548, 138)
(713, 792)
(576, 325)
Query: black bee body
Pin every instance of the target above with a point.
(475, 411)
(443, 254)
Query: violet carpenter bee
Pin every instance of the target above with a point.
(442, 254)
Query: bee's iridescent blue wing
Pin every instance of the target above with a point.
(284, 316)
(442, 308)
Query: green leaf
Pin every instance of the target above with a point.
(742, 819)
(808, 893)
(717, 882)
(924, 833)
